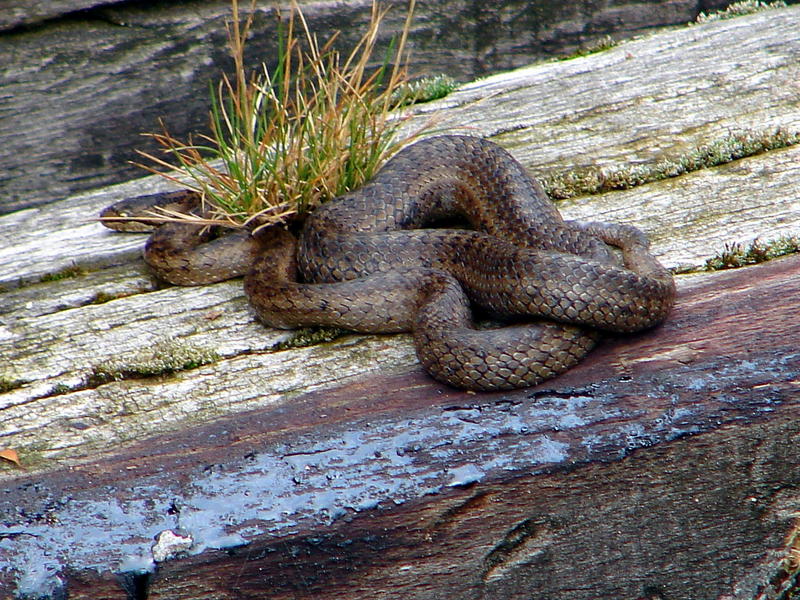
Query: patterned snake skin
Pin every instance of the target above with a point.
(372, 261)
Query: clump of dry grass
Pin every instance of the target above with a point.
(283, 141)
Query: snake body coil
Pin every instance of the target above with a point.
(372, 261)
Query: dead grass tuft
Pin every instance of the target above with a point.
(283, 141)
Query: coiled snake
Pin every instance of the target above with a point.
(372, 261)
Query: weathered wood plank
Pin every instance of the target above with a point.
(571, 535)
(78, 91)
(499, 493)
(313, 457)
(18, 13)
(641, 101)
(755, 197)
(656, 105)
(691, 218)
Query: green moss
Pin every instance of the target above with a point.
(424, 89)
(68, 272)
(163, 358)
(103, 297)
(60, 389)
(309, 336)
(604, 43)
(9, 383)
(735, 255)
(737, 9)
(597, 180)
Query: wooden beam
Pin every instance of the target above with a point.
(675, 440)
(664, 466)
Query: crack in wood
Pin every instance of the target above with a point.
(471, 507)
(521, 545)
(136, 585)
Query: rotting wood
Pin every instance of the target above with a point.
(723, 372)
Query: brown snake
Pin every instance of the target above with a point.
(371, 261)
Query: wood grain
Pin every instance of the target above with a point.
(81, 81)
(678, 445)
(664, 466)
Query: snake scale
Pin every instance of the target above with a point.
(374, 260)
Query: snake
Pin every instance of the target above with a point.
(453, 241)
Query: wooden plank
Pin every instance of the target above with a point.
(74, 117)
(38, 318)
(339, 459)
(498, 494)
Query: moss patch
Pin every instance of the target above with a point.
(736, 255)
(68, 272)
(163, 358)
(60, 389)
(604, 43)
(597, 180)
(102, 297)
(309, 336)
(424, 89)
(737, 9)
(9, 383)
